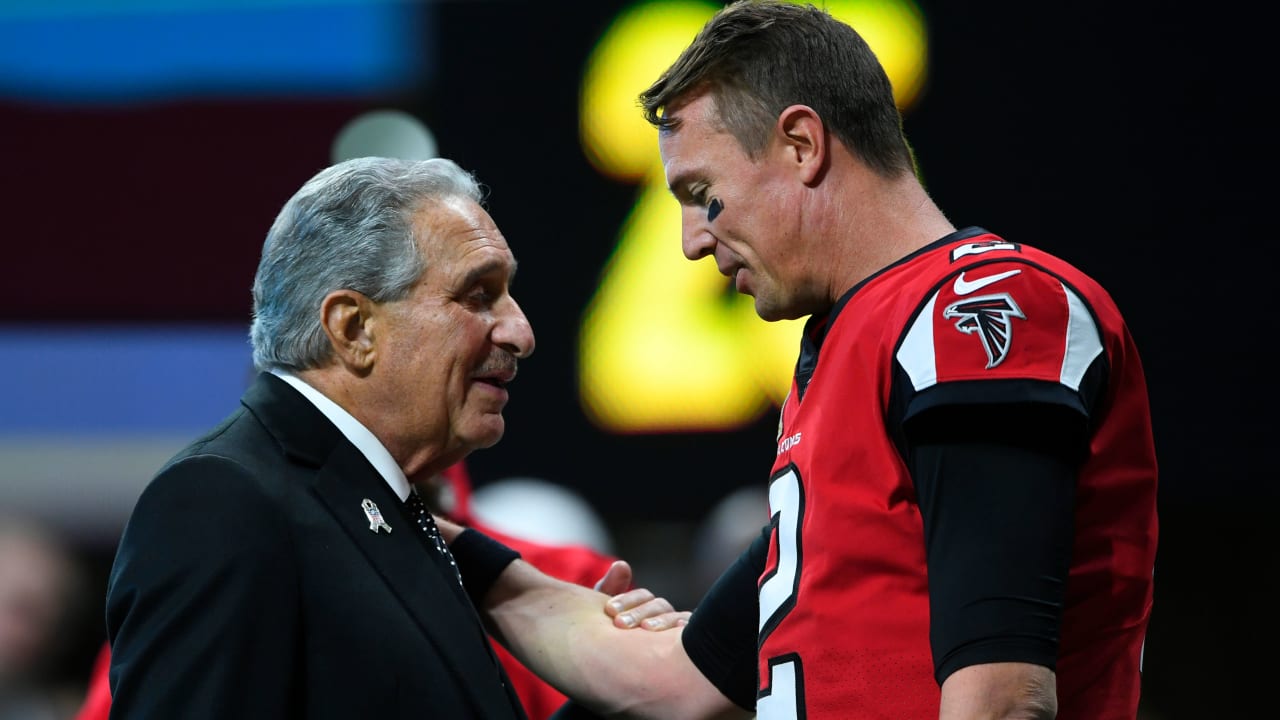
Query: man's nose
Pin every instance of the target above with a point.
(695, 237)
(513, 332)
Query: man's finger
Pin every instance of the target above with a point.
(617, 579)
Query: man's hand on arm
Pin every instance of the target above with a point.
(637, 607)
(563, 633)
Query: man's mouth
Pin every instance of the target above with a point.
(729, 271)
(496, 376)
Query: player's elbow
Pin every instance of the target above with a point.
(1001, 691)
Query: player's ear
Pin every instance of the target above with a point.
(348, 320)
(803, 140)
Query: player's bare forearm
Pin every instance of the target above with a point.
(566, 634)
(561, 632)
(1000, 691)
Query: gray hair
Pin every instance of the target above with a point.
(349, 227)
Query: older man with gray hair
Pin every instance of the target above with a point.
(283, 566)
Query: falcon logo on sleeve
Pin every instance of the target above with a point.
(990, 318)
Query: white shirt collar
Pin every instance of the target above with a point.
(358, 434)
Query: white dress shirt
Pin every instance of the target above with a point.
(358, 434)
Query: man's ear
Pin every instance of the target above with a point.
(804, 140)
(346, 316)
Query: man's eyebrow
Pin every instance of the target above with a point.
(489, 267)
(679, 185)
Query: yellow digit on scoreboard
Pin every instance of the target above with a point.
(666, 345)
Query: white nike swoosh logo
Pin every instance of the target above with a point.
(964, 287)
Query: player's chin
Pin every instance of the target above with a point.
(769, 310)
(773, 307)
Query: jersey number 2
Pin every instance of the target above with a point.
(783, 699)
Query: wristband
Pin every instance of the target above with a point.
(481, 559)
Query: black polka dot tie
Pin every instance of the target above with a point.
(427, 526)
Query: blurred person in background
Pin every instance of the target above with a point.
(42, 585)
(542, 510)
(731, 526)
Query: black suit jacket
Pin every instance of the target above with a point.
(248, 584)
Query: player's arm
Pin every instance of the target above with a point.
(561, 631)
(997, 496)
(201, 604)
(720, 636)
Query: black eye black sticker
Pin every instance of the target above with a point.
(713, 209)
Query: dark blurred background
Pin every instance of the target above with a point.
(146, 146)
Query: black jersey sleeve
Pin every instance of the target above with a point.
(996, 486)
(720, 638)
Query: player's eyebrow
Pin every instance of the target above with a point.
(674, 184)
(680, 185)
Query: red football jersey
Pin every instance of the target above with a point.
(844, 601)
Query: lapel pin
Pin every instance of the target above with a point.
(372, 512)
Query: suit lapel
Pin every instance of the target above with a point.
(400, 558)
(344, 480)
